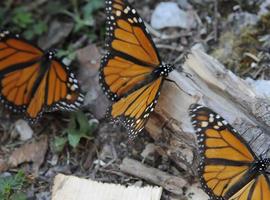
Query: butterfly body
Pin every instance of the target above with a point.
(33, 81)
(131, 73)
(229, 169)
(45, 63)
(163, 70)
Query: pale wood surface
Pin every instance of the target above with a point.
(211, 85)
(214, 86)
(74, 188)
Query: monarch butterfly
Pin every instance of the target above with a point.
(229, 169)
(131, 73)
(33, 81)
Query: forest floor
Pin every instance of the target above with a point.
(84, 143)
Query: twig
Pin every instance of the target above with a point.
(169, 182)
(216, 21)
(170, 47)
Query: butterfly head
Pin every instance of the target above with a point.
(50, 54)
(263, 164)
(4, 34)
(164, 70)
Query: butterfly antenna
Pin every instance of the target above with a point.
(172, 81)
(265, 152)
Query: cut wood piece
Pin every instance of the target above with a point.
(74, 188)
(212, 85)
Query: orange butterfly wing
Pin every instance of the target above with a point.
(60, 90)
(226, 158)
(32, 82)
(132, 54)
(127, 73)
(258, 188)
(18, 70)
(133, 110)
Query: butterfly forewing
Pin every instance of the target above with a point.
(32, 81)
(132, 55)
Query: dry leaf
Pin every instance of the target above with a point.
(3, 165)
(30, 152)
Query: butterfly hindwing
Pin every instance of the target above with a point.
(226, 160)
(133, 110)
(257, 188)
(60, 90)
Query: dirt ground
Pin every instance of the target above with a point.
(235, 32)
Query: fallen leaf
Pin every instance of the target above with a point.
(3, 165)
(30, 152)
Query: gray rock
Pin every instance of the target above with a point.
(168, 14)
(184, 4)
(243, 19)
(262, 87)
(263, 8)
(23, 129)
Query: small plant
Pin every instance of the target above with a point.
(69, 54)
(22, 18)
(86, 18)
(22, 21)
(11, 187)
(79, 127)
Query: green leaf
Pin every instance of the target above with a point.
(12, 185)
(22, 18)
(18, 196)
(70, 53)
(36, 29)
(2, 16)
(78, 128)
(39, 28)
(91, 7)
(74, 139)
(59, 144)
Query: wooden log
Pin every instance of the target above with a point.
(212, 85)
(74, 188)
